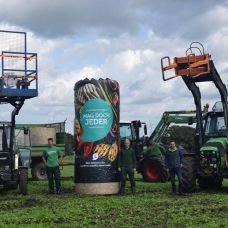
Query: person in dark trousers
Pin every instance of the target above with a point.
(127, 166)
(52, 158)
(173, 159)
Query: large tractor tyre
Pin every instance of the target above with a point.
(154, 170)
(9, 187)
(210, 183)
(11, 184)
(188, 170)
(23, 181)
(39, 172)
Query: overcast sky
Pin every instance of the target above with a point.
(121, 40)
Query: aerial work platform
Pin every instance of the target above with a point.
(18, 68)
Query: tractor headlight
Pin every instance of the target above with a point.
(204, 160)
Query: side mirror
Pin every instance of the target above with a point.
(25, 131)
(145, 129)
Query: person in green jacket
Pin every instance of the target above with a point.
(52, 161)
(127, 166)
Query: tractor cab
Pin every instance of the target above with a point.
(215, 125)
(127, 131)
(4, 147)
(11, 159)
(135, 131)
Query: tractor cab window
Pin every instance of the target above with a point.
(126, 132)
(4, 148)
(25, 156)
(4, 139)
(21, 138)
(215, 126)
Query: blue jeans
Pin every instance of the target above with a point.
(173, 172)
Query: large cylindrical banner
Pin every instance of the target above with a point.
(96, 136)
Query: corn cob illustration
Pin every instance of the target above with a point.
(102, 149)
(113, 152)
(106, 149)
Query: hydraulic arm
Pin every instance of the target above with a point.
(193, 69)
(178, 117)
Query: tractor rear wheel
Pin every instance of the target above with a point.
(189, 173)
(39, 172)
(23, 181)
(154, 170)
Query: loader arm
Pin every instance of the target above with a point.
(194, 69)
(170, 117)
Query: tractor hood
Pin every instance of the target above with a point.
(213, 144)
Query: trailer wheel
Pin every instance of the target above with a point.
(39, 172)
(23, 181)
(189, 173)
(154, 170)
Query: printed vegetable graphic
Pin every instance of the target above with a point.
(102, 149)
(106, 149)
(113, 152)
(108, 91)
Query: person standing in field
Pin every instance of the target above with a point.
(173, 159)
(127, 166)
(52, 158)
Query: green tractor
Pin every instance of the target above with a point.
(150, 152)
(206, 162)
(15, 157)
(18, 82)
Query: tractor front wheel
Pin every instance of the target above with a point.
(189, 173)
(23, 181)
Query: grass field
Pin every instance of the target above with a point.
(151, 206)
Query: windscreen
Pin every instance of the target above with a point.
(126, 131)
(215, 126)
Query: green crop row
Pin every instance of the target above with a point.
(151, 206)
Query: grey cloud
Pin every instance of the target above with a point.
(59, 18)
(63, 18)
(190, 20)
